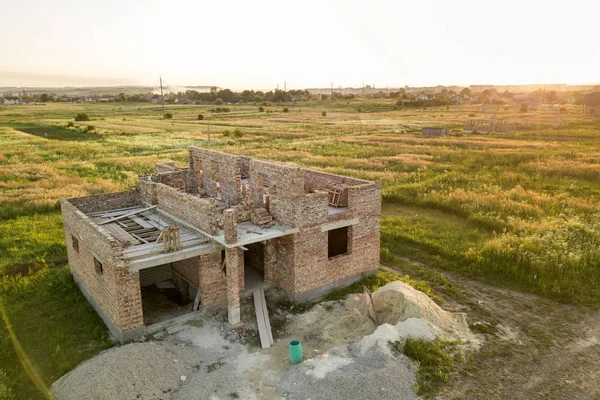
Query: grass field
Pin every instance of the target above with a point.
(520, 210)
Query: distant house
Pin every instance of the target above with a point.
(96, 98)
(28, 102)
(435, 131)
(297, 97)
(520, 98)
(426, 97)
(183, 100)
(106, 99)
(156, 99)
(456, 100)
(11, 100)
(89, 100)
(591, 104)
(78, 100)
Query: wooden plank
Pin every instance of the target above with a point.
(157, 248)
(112, 213)
(142, 248)
(129, 214)
(196, 300)
(161, 223)
(118, 233)
(262, 319)
(139, 231)
(141, 222)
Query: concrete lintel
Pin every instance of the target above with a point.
(165, 258)
(338, 224)
(271, 234)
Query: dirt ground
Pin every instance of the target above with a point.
(539, 349)
(532, 348)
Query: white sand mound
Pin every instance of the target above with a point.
(397, 302)
(412, 327)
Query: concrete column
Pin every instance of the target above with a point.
(233, 285)
(232, 261)
(270, 262)
(230, 226)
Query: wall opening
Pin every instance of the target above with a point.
(254, 266)
(165, 293)
(337, 242)
(98, 266)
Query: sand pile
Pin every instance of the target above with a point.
(397, 302)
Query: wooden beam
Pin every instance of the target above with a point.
(127, 215)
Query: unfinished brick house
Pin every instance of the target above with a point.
(219, 229)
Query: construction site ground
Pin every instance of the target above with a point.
(531, 348)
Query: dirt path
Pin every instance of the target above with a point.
(539, 349)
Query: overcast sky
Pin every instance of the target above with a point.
(259, 44)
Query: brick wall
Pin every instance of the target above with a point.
(312, 266)
(116, 291)
(285, 184)
(208, 164)
(106, 201)
(317, 180)
(189, 268)
(199, 212)
(213, 283)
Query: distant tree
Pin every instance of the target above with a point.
(44, 98)
(70, 124)
(90, 128)
(218, 101)
(82, 117)
(285, 109)
(200, 117)
(168, 116)
(261, 109)
(466, 91)
(551, 97)
(324, 113)
(122, 97)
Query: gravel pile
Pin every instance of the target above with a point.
(377, 374)
(149, 370)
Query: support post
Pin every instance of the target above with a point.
(232, 260)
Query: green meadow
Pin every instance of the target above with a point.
(518, 210)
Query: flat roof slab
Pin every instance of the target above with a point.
(249, 233)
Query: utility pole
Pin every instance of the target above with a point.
(285, 91)
(331, 90)
(162, 97)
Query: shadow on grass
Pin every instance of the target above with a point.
(56, 133)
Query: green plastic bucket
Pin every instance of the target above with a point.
(295, 351)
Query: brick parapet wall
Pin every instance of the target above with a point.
(204, 162)
(199, 212)
(106, 201)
